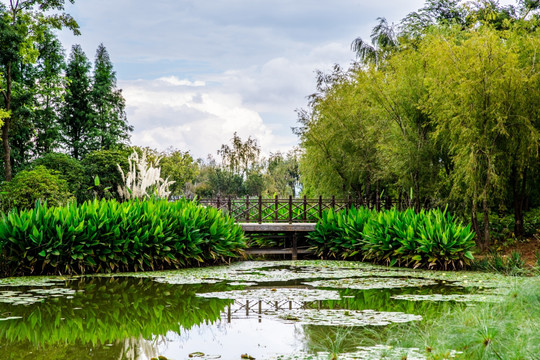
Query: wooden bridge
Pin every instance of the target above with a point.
(287, 219)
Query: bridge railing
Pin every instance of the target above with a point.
(286, 209)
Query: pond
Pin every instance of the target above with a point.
(262, 310)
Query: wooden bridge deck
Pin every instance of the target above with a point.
(277, 227)
(292, 231)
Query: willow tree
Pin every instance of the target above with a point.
(412, 162)
(339, 136)
(481, 85)
(242, 156)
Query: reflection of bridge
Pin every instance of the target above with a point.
(242, 309)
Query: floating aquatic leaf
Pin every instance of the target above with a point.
(372, 283)
(240, 283)
(281, 294)
(33, 281)
(34, 295)
(347, 317)
(450, 297)
(11, 318)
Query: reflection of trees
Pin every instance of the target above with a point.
(108, 312)
(380, 300)
(347, 339)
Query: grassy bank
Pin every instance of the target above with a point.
(506, 330)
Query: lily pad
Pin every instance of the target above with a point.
(372, 283)
(33, 296)
(279, 294)
(450, 297)
(347, 317)
(11, 318)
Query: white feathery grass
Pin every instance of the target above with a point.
(141, 177)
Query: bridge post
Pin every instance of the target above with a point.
(276, 205)
(295, 246)
(247, 208)
(260, 209)
(290, 209)
(304, 216)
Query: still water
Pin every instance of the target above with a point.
(261, 310)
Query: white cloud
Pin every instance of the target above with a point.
(196, 118)
(202, 114)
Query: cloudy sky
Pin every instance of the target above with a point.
(195, 71)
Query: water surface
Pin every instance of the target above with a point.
(267, 310)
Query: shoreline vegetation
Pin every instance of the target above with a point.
(107, 235)
(137, 235)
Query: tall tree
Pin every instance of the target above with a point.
(108, 103)
(241, 156)
(77, 119)
(22, 23)
(51, 83)
(481, 85)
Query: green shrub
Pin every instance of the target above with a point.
(104, 164)
(106, 235)
(432, 239)
(66, 167)
(29, 186)
(512, 265)
(338, 234)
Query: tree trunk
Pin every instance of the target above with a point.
(5, 127)
(519, 200)
(474, 222)
(485, 209)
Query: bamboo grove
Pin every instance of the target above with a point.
(441, 108)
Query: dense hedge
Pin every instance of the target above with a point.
(432, 239)
(106, 235)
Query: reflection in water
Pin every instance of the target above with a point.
(139, 318)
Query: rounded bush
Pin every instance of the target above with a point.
(65, 166)
(29, 186)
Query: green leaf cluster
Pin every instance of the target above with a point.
(102, 236)
(431, 239)
(39, 184)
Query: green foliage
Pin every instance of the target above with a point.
(178, 166)
(29, 186)
(105, 235)
(432, 239)
(512, 265)
(241, 156)
(104, 164)
(108, 104)
(22, 26)
(65, 167)
(49, 68)
(78, 117)
(283, 173)
(507, 330)
(443, 104)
